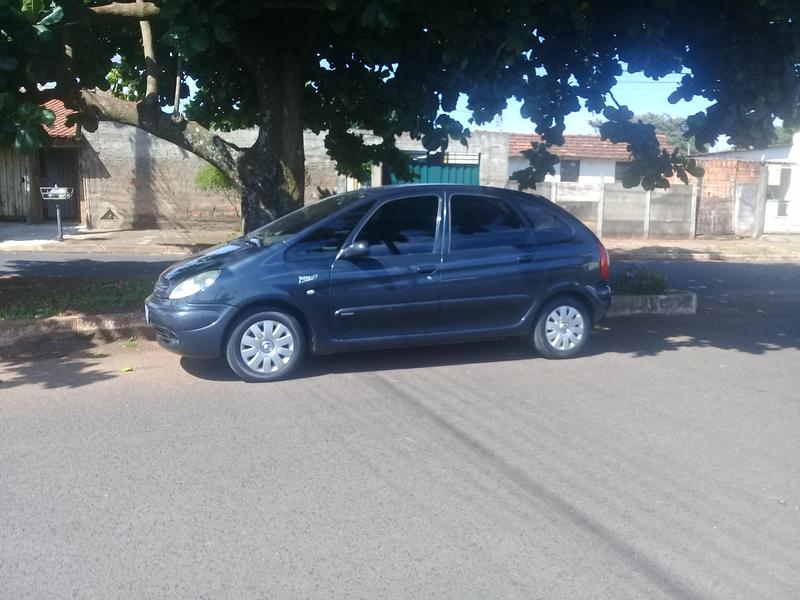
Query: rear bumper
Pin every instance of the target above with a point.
(189, 330)
(601, 300)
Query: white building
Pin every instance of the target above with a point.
(583, 158)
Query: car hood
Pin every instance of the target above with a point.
(213, 258)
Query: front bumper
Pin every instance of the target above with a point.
(195, 330)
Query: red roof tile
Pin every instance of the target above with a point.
(578, 146)
(59, 128)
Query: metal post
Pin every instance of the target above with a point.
(60, 237)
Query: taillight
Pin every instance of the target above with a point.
(604, 262)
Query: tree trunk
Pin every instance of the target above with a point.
(272, 170)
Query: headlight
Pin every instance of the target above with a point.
(193, 285)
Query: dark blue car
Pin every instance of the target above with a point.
(387, 267)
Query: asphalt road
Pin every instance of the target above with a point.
(664, 464)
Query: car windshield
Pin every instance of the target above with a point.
(297, 221)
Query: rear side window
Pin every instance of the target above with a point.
(483, 222)
(405, 226)
(328, 239)
(547, 227)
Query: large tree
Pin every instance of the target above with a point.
(389, 67)
(674, 128)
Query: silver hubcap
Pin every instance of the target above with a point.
(564, 328)
(267, 346)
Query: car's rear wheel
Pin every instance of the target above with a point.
(266, 346)
(562, 329)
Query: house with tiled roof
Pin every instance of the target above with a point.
(55, 164)
(583, 158)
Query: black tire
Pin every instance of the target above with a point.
(560, 321)
(274, 355)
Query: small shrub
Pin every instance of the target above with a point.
(639, 282)
(211, 179)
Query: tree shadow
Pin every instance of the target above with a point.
(87, 267)
(67, 362)
(636, 337)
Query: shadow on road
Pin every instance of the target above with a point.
(634, 337)
(67, 362)
(99, 266)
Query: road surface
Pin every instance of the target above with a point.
(664, 464)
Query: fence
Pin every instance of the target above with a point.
(613, 211)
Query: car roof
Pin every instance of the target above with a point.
(394, 189)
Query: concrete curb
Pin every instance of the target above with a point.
(623, 255)
(108, 327)
(674, 303)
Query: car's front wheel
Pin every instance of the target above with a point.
(266, 346)
(562, 329)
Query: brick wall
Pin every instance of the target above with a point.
(716, 199)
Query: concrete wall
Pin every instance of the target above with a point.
(133, 179)
(613, 211)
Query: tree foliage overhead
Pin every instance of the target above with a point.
(389, 67)
(674, 128)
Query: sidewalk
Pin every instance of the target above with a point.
(723, 248)
(17, 237)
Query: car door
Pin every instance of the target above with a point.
(393, 290)
(308, 262)
(489, 277)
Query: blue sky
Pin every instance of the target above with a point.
(636, 91)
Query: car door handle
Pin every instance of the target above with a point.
(425, 269)
(525, 258)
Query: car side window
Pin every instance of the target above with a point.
(327, 240)
(483, 222)
(404, 226)
(547, 227)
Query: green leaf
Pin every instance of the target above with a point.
(27, 139)
(631, 179)
(47, 116)
(55, 15)
(694, 169)
(199, 40)
(42, 32)
(8, 63)
(222, 32)
(32, 8)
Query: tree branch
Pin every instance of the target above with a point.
(151, 89)
(134, 10)
(189, 135)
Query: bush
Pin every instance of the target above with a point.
(210, 179)
(638, 282)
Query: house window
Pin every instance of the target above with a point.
(619, 169)
(570, 169)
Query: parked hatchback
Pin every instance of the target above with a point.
(387, 267)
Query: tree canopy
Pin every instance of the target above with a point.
(674, 128)
(391, 67)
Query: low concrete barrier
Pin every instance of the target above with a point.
(674, 303)
(110, 326)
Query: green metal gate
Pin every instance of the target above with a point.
(465, 172)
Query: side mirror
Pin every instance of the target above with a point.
(356, 250)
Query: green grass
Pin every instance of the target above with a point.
(39, 297)
(635, 282)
